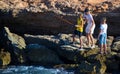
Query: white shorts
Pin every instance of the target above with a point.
(87, 30)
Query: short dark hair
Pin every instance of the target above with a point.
(104, 18)
(86, 10)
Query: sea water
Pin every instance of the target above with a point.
(33, 70)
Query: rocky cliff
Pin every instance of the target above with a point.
(55, 16)
(58, 51)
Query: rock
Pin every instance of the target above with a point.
(14, 44)
(117, 39)
(113, 67)
(39, 54)
(5, 58)
(91, 68)
(72, 53)
(69, 52)
(50, 42)
(116, 44)
(118, 56)
(21, 5)
(16, 40)
(111, 58)
(105, 6)
(95, 1)
(3, 5)
(110, 41)
(66, 66)
(63, 12)
(61, 44)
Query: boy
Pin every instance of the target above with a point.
(103, 36)
(89, 28)
(79, 29)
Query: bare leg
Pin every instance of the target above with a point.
(105, 48)
(73, 37)
(101, 48)
(81, 42)
(92, 39)
(88, 38)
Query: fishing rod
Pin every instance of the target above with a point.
(64, 20)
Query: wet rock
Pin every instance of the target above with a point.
(5, 58)
(67, 66)
(39, 54)
(112, 62)
(113, 67)
(14, 44)
(91, 68)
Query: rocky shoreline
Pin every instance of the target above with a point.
(57, 51)
(39, 32)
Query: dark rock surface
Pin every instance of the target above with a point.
(41, 55)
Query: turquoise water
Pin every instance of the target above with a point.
(33, 70)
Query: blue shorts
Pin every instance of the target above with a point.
(78, 33)
(102, 38)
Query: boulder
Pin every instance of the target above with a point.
(14, 44)
(70, 53)
(50, 42)
(105, 6)
(3, 5)
(57, 40)
(91, 68)
(112, 62)
(86, 60)
(117, 39)
(39, 54)
(74, 54)
(113, 67)
(110, 41)
(5, 58)
(21, 5)
(61, 43)
(116, 44)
